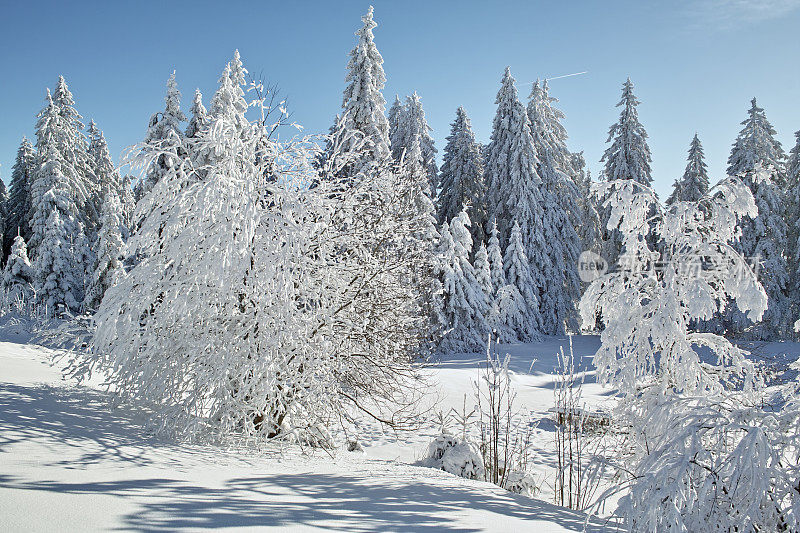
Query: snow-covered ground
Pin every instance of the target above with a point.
(70, 462)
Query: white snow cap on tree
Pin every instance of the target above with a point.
(465, 304)
(694, 183)
(461, 180)
(363, 105)
(756, 143)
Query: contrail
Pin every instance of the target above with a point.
(558, 77)
(568, 75)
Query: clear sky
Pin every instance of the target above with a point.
(696, 65)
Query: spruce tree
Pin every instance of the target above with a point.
(363, 105)
(4, 231)
(199, 116)
(461, 180)
(495, 253)
(18, 272)
(792, 208)
(518, 301)
(497, 292)
(393, 118)
(758, 158)
(59, 190)
(465, 306)
(164, 142)
(589, 229)
(515, 193)
(19, 202)
(694, 183)
(411, 124)
(109, 252)
(561, 286)
(628, 157)
(106, 174)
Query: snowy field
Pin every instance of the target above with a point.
(69, 461)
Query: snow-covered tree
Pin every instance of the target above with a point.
(110, 248)
(756, 143)
(515, 196)
(199, 116)
(59, 187)
(699, 455)
(589, 229)
(18, 272)
(465, 305)
(415, 187)
(296, 312)
(560, 290)
(164, 141)
(393, 117)
(792, 207)
(461, 180)
(694, 183)
(363, 106)
(19, 201)
(495, 252)
(107, 175)
(3, 212)
(411, 125)
(758, 158)
(518, 300)
(628, 158)
(59, 265)
(128, 205)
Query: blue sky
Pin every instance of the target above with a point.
(696, 65)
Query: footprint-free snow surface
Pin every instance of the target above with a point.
(70, 462)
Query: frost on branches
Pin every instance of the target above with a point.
(294, 304)
(701, 453)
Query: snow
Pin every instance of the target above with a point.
(68, 458)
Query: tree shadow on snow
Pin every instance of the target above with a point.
(350, 502)
(76, 416)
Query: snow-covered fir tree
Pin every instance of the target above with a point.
(411, 124)
(495, 253)
(756, 144)
(628, 157)
(107, 175)
(497, 290)
(363, 105)
(465, 305)
(758, 158)
(518, 300)
(393, 117)
(61, 251)
(694, 183)
(128, 205)
(3, 212)
(461, 179)
(164, 142)
(18, 211)
(62, 254)
(415, 187)
(589, 229)
(199, 117)
(792, 207)
(109, 252)
(561, 215)
(515, 196)
(18, 272)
